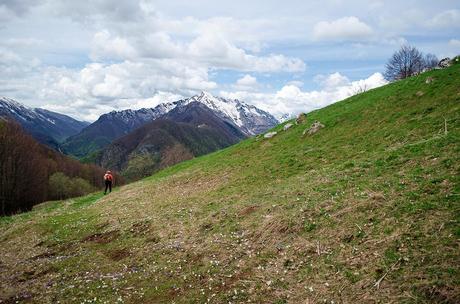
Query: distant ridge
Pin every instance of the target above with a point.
(47, 127)
(247, 118)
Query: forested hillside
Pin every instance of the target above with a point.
(31, 173)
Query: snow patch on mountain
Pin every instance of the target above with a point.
(46, 126)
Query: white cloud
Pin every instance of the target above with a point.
(105, 46)
(291, 100)
(211, 46)
(446, 19)
(246, 83)
(247, 80)
(347, 28)
(332, 81)
(89, 57)
(98, 88)
(296, 83)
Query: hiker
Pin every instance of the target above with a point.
(108, 178)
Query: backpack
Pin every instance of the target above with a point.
(108, 177)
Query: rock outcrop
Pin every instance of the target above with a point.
(315, 127)
(445, 63)
(302, 118)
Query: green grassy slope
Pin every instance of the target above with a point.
(364, 211)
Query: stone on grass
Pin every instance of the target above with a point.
(444, 63)
(429, 80)
(301, 118)
(315, 127)
(287, 126)
(270, 134)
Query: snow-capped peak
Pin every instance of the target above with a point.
(226, 107)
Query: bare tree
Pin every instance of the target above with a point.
(406, 62)
(430, 61)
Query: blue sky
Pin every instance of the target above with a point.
(85, 58)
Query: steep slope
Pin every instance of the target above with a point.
(182, 134)
(48, 127)
(247, 118)
(364, 211)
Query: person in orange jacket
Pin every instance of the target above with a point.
(108, 179)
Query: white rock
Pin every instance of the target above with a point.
(270, 134)
(287, 126)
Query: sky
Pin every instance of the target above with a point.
(85, 58)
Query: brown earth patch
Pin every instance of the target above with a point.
(22, 297)
(206, 226)
(248, 210)
(102, 238)
(376, 196)
(118, 254)
(441, 294)
(44, 255)
(33, 274)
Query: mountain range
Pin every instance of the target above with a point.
(181, 134)
(246, 118)
(47, 127)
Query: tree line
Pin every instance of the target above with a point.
(31, 173)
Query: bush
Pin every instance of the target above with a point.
(62, 186)
(80, 186)
(59, 185)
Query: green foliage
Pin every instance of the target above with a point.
(62, 186)
(59, 185)
(91, 158)
(81, 147)
(140, 165)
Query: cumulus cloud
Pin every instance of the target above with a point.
(209, 48)
(332, 81)
(98, 88)
(291, 100)
(105, 46)
(347, 28)
(246, 83)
